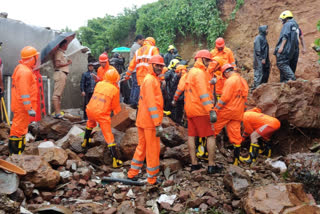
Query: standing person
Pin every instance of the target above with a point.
(141, 59)
(149, 123)
(104, 101)
(261, 61)
(61, 65)
(169, 55)
(23, 98)
(1, 69)
(230, 108)
(104, 67)
(223, 52)
(199, 109)
(258, 126)
(87, 85)
(135, 89)
(287, 48)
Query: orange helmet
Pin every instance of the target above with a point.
(156, 59)
(103, 58)
(28, 52)
(180, 68)
(203, 54)
(112, 76)
(220, 42)
(220, 61)
(151, 41)
(226, 68)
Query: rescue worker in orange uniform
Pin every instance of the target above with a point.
(258, 126)
(104, 101)
(231, 106)
(222, 51)
(149, 121)
(217, 79)
(140, 61)
(23, 98)
(199, 109)
(104, 67)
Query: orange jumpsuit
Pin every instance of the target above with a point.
(24, 97)
(230, 108)
(105, 99)
(264, 125)
(181, 86)
(140, 61)
(150, 114)
(102, 70)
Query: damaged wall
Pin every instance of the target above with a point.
(15, 35)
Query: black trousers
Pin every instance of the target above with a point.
(87, 98)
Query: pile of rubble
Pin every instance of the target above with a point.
(63, 178)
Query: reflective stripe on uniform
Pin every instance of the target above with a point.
(142, 64)
(221, 102)
(136, 161)
(180, 91)
(26, 102)
(207, 103)
(136, 167)
(25, 96)
(218, 107)
(153, 109)
(152, 176)
(153, 169)
(204, 96)
(153, 116)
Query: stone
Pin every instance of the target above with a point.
(142, 210)
(212, 202)
(97, 154)
(98, 137)
(237, 180)
(85, 173)
(174, 136)
(72, 155)
(125, 207)
(194, 203)
(178, 208)
(50, 128)
(27, 188)
(9, 182)
(112, 210)
(167, 122)
(54, 155)
(184, 195)
(173, 164)
(39, 172)
(47, 196)
(90, 208)
(164, 205)
(180, 153)
(236, 203)
(65, 141)
(124, 119)
(277, 198)
(9, 206)
(203, 207)
(17, 196)
(4, 131)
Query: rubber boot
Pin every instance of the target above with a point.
(261, 145)
(267, 150)
(253, 154)
(236, 154)
(202, 152)
(16, 145)
(87, 138)
(116, 163)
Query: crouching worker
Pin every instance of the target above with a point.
(104, 101)
(150, 114)
(24, 98)
(260, 127)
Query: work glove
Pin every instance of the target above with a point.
(173, 103)
(31, 113)
(213, 81)
(159, 131)
(213, 116)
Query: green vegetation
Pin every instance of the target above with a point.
(317, 42)
(163, 20)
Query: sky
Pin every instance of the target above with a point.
(59, 14)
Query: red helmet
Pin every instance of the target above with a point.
(226, 68)
(156, 59)
(103, 58)
(203, 54)
(112, 76)
(220, 42)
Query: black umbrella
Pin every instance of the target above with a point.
(53, 46)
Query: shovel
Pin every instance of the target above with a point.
(11, 167)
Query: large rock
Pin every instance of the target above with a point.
(304, 168)
(129, 143)
(54, 155)
(173, 164)
(237, 180)
(99, 155)
(179, 152)
(50, 128)
(279, 198)
(296, 101)
(174, 136)
(39, 172)
(9, 182)
(124, 119)
(98, 137)
(4, 131)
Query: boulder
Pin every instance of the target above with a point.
(50, 128)
(129, 143)
(9, 182)
(179, 152)
(99, 155)
(174, 136)
(98, 137)
(39, 172)
(124, 119)
(67, 139)
(173, 164)
(298, 102)
(4, 131)
(54, 155)
(237, 180)
(279, 198)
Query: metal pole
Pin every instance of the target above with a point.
(49, 96)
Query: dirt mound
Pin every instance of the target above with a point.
(241, 32)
